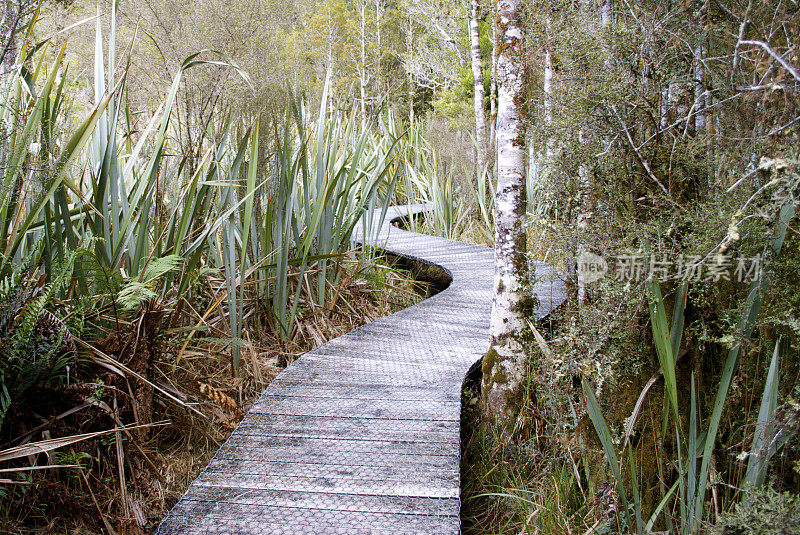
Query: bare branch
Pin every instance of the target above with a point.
(639, 154)
(768, 49)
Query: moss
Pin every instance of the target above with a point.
(491, 370)
(498, 377)
(525, 306)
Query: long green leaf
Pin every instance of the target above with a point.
(604, 434)
(761, 451)
(747, 321)
(663, 342)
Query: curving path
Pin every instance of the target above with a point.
(361, 435)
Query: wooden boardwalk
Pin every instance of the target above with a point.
(361, 435)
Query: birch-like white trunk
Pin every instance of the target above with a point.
(380, 8)
(664, 109)
(331, 66)
(493, 89)
(362, 68)
(699, 90)
(410, 52)
(477, 74)
(582, 223)
(10, 23)
(504, 364)
(547, 104)
(607, 14)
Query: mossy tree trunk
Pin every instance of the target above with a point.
(9, 24)
(587, 194)
(504, 364)
(493, 90)
(477, 75)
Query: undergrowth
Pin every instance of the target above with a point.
(129, 480)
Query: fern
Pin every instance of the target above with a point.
(35, 344)
(30, 314)
(159, 267)
(105, 281)
(141, 290)
(134, 294)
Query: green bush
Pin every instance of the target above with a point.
(764, 512)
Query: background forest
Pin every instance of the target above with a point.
(180, 181)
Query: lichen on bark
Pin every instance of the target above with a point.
(504, 365)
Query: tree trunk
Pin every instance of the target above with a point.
(493, 90)
(379, 10)
(12, 13)
(331, 66)
(477, 74)
(664, 109)
(586, 208)
(410, 52)
(699, 90)
(362, 68)
(582, 224)
(547, 88)
(504, 364)
(607, 15)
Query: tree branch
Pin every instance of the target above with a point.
(775, 55)
(639, 154)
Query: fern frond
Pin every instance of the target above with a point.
(160, 266)
(138, 291)
(134, 294)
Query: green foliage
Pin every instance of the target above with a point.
(277, 207)
(454, 102)
(764, 512)
(691, 483)
(765, 438)
(623, 121)
(36, 345)
(143, 289)
(247, 214)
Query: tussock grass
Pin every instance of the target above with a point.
(525, 483)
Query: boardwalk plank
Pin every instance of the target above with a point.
(361, 435)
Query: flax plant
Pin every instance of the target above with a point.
(274, 223)
(425, 181)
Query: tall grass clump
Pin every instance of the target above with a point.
(424, 179)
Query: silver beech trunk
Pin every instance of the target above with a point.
(477, 74)
(699, 89)
(362, 66)
(10, 24)
(493, 91)
(504, 364)
(410, 51)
